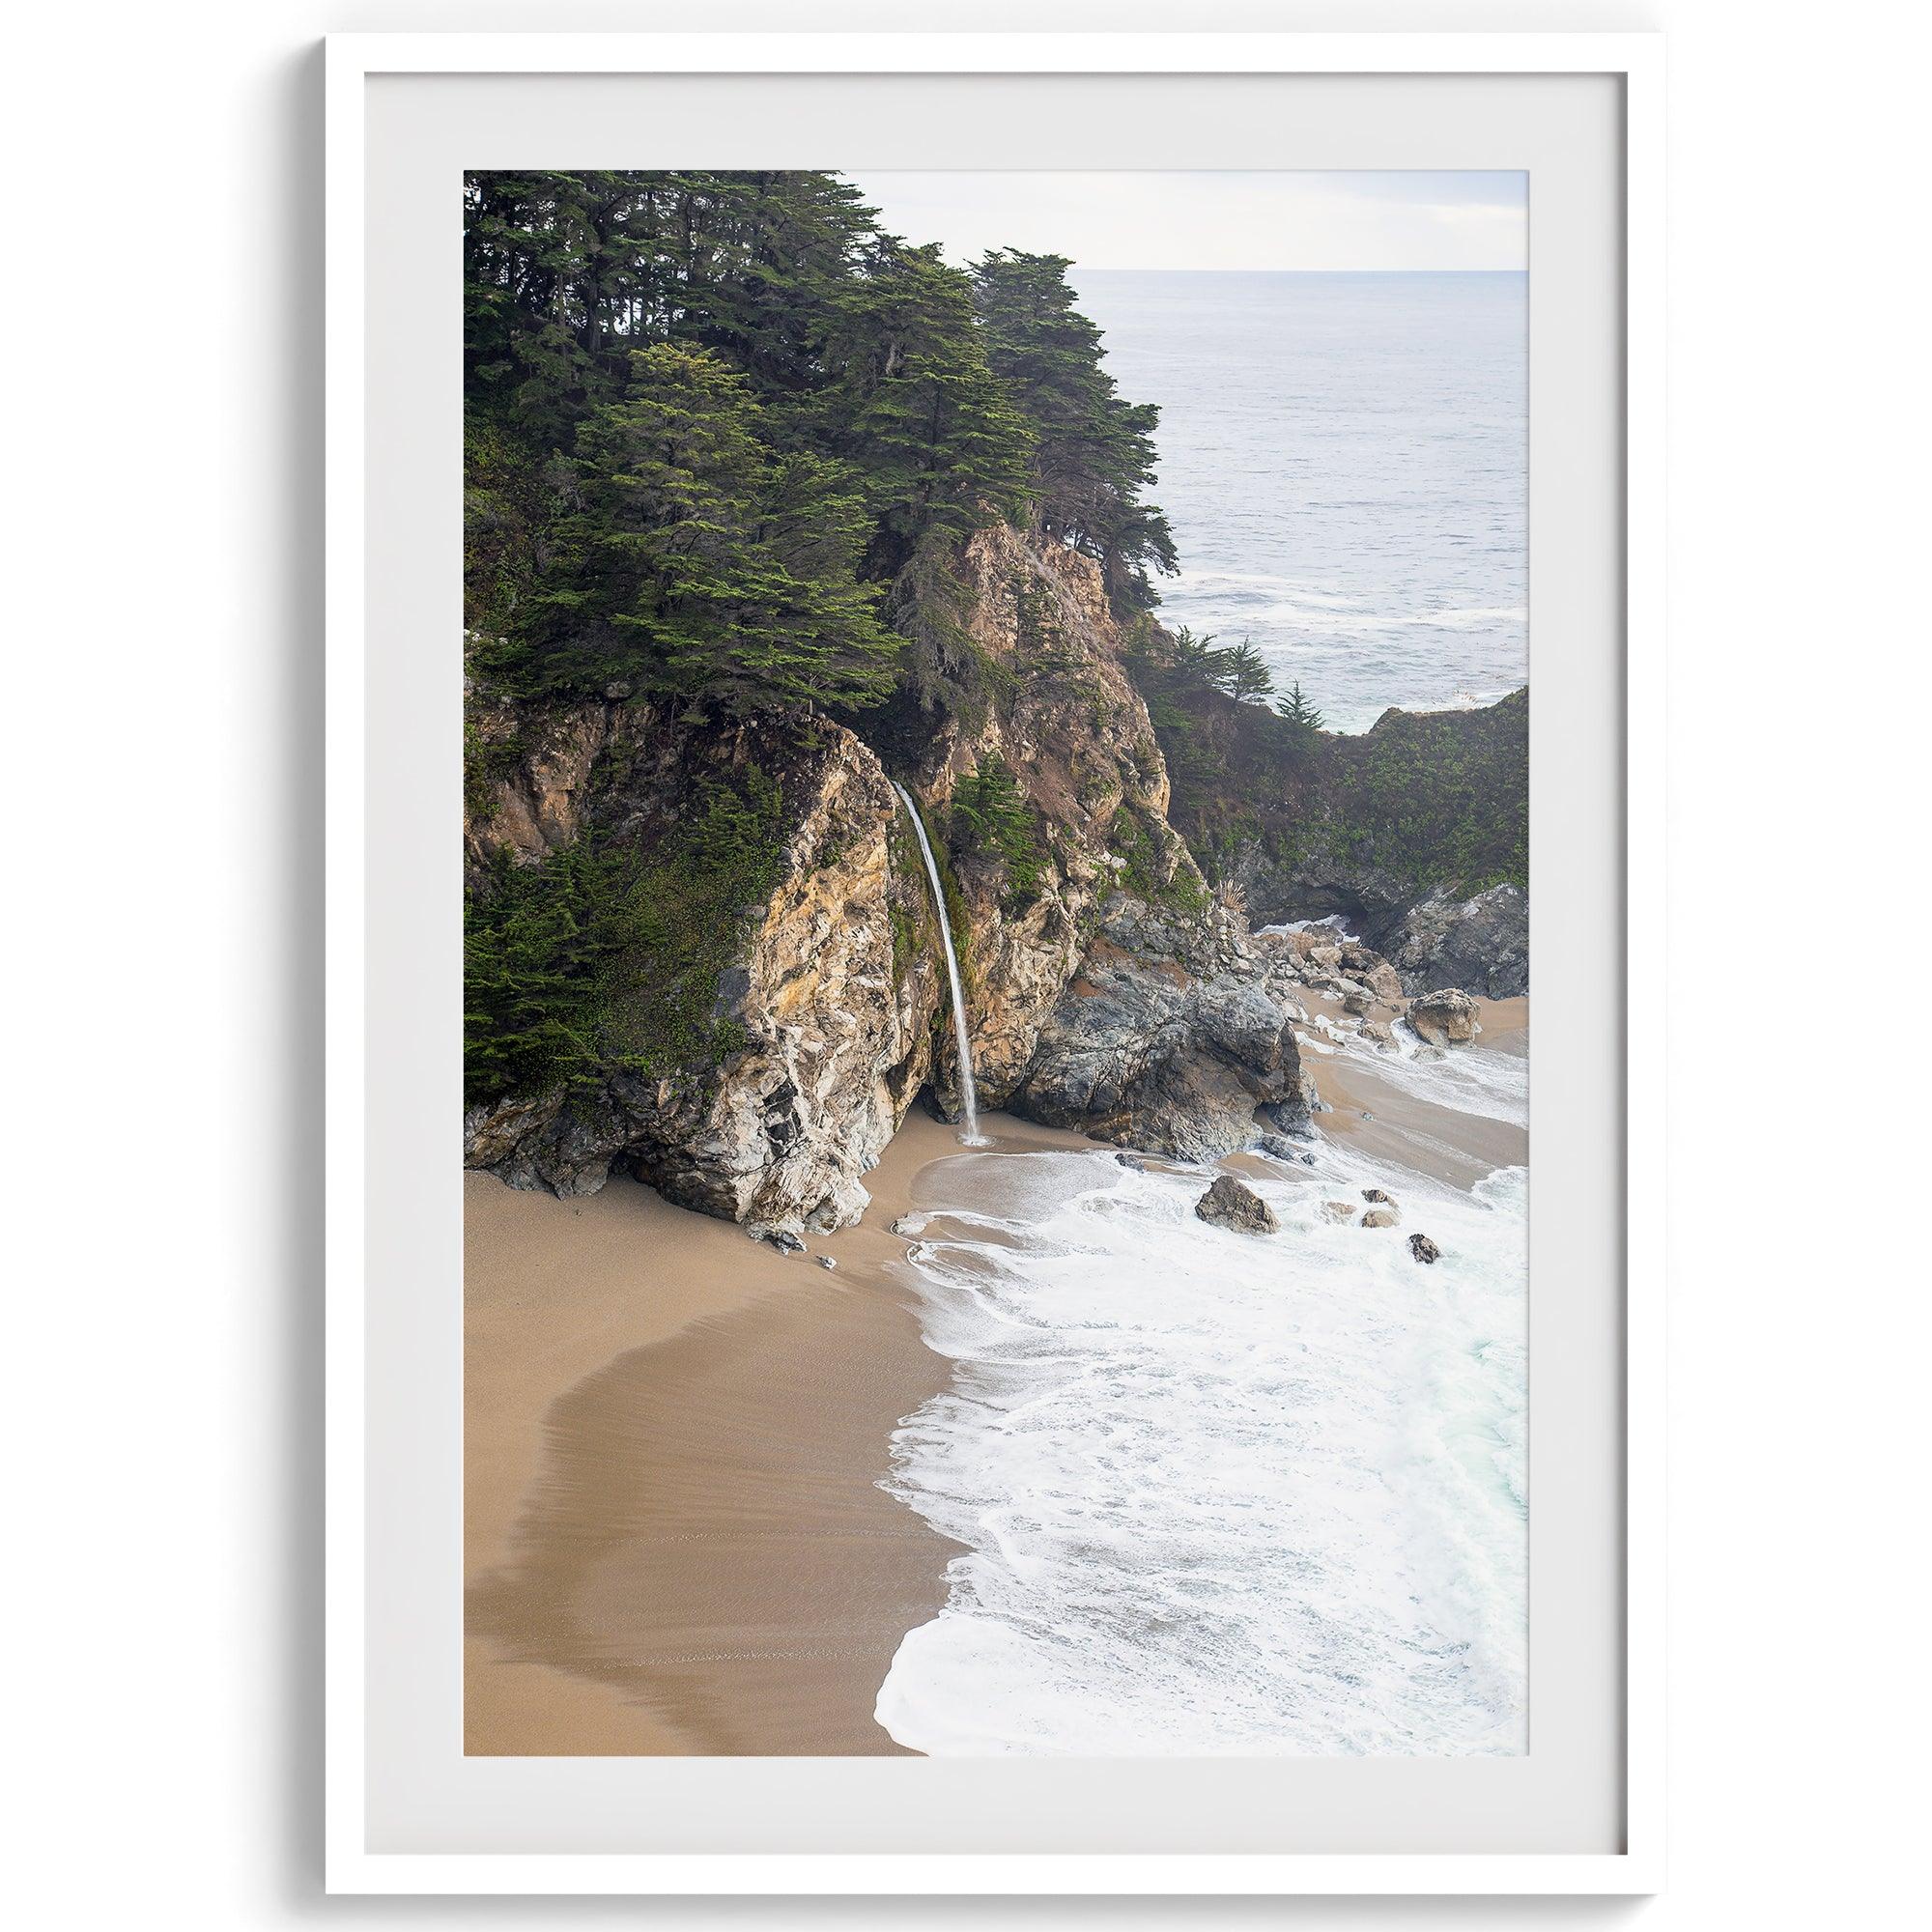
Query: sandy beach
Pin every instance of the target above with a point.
(675, 1540)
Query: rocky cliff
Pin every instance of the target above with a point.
(754, 985)
(1417, 832)
(814, 1031)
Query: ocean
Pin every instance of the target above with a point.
(1232, 1495)
(1222, 1495)
(1344, 459)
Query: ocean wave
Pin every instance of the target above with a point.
(1218, 1495)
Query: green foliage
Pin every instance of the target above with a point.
(1298, 711)
(1435, 797)
(606, 959)
(1147, 872)
(912, 404)
(484, 764)
(943, 669)
(700, 563)
(565, 273)
(1442, 796)
(990, 812)
(1242, 673)
(905, 943)
(1094, 452)
(723, 437)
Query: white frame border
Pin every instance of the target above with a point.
(1637, 59)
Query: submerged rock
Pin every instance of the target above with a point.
(1338, 1211)
(1424, 1249)
(1444, 1018)
(1278, 1147)
(1231, 1204)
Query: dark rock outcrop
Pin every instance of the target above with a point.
(1168, 1040)
(1479, 944)
(1424, 1250)
(1231, 1204)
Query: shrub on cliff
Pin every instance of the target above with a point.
(992, 816)
(607, 957)
(1430, 797)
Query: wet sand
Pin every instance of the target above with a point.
(1372, 1113)
(675, 1538)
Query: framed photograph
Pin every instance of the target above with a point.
(964, 672)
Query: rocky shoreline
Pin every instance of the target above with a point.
(1109, 990)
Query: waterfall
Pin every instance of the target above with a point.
(969, 1105)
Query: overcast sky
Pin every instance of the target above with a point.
(1217, 220)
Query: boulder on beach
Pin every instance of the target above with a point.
(1231, 1204)
(1424, 1249)
(1379, 1217)
(1445, 1019)
(1379, 977)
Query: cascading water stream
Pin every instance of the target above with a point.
(969, 1105)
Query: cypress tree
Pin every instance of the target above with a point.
(1095, 452)
(702, 563)
(913, 404)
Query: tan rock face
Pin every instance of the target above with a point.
(835, 1009)
(532, 777)
(839, 979)
(1444, 1018)
(1076, 737)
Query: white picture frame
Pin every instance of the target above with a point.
(353, 62)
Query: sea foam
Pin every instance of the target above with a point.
(1219, 1495)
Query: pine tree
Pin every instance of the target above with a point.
(1243, 673)
(1298, 711)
